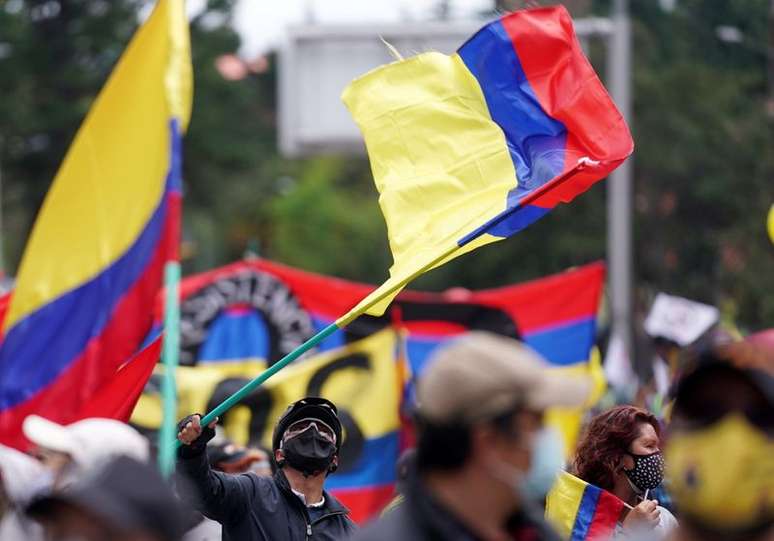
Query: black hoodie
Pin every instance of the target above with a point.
(253, 508)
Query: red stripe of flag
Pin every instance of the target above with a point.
(606, 516)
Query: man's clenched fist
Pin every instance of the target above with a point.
(190, 429)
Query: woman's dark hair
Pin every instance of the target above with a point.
(606, 440)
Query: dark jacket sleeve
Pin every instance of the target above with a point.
(220, 496)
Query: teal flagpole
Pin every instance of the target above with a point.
(171, 346)
(169, 355)
(235, 398)
(269, 372)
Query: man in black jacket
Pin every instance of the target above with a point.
(290, 506)
(484, 459)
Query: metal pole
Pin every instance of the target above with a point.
(2, 232)
(770, 62)
(619, 185)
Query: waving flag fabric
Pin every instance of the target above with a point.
(119, 396)
(580, 511)
(93, 264)
(470, 148)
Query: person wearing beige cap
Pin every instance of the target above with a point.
(483, 455)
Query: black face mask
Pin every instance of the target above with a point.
(309, 452)
(648, 471)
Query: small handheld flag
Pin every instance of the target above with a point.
(580, 511)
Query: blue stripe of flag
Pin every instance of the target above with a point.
(374, 466)
(565, 344)
(585, 515)
(63, 327)
(536, 141)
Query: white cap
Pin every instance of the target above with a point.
(90, 442)
(20, 474)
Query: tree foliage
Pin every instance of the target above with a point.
(703, 161)
(704, 169)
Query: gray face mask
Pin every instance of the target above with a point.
(546, 461)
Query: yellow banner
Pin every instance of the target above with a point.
(362, 379)
(568, 420)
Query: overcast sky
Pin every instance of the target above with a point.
(262, 22)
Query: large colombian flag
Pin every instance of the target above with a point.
(470, 148)
(580, 511)
(93, 264)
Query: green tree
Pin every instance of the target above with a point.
(703, 161)
(54, 56)
(703, 166)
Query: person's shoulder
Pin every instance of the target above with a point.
(667, 521)
(393, 525)
(396, 502)
(333, 505)
(537, 525)
(258, 487)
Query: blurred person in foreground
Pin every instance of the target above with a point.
(125, 500)
(228, 457)
(70, 451)
(720, 453)
(483, 455)
(620, 451)
(292, 504)
(21, 477)
(404, 467)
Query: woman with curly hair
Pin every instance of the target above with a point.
(620, 452)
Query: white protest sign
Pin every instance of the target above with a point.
(681, 320)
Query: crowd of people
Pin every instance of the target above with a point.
(485, 465)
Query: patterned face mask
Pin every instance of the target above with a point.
(648, 471)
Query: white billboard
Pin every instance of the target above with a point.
(316, 62)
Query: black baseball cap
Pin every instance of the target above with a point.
(311, 407)
(225, 453)
(700, 402)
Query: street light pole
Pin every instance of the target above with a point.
(2, 231)
(770, 62)
(619, 186)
